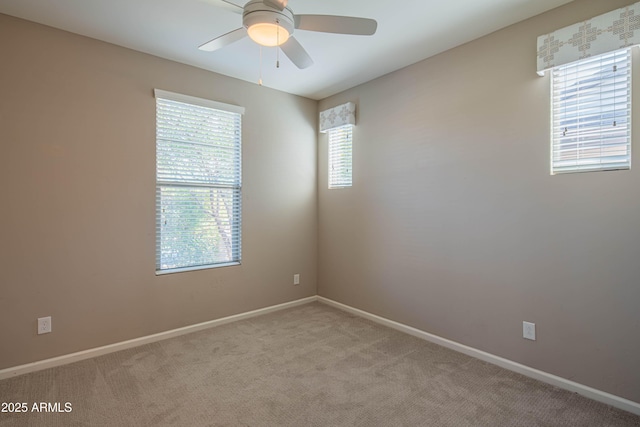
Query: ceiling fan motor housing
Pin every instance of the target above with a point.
(256, 12)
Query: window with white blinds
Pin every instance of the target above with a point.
(198, 183)
(340, 156)
(591, 123)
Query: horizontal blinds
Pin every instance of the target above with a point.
(592, 114)
(197, 144)
(197, 226)
(198, 185)
(340, 156)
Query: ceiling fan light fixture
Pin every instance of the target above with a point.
(268, 34)
(272, 23)
(267, 26)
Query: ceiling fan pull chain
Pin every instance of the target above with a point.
(260, 68)
(277, 43)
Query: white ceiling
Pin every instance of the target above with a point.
(408, 31)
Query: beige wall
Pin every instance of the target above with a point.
(455, 226)
(77, 219)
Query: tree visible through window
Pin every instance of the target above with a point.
(198, 183)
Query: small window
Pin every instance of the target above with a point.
(591, 124)
(198, 183)
(340, 157)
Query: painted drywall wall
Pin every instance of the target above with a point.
(455, 226)
(77, 222)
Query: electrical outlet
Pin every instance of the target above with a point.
(296, 279)
(529, 331)
(44, 325)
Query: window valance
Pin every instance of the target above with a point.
(336, 117)
(605, 33)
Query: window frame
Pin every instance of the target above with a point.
(572, 81)
(221, 185)
(338, 180)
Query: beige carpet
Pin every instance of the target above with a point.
(310, 365)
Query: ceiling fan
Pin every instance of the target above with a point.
(272, 23)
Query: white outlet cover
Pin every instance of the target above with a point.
(296, 279)
(44, 325)
(529, 331)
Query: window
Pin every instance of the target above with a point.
(591, 124)
(340, 158)
(198, 183)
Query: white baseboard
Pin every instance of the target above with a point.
(99, 351)
(555, 380)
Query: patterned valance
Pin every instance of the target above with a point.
(335, 117)
(605, 33)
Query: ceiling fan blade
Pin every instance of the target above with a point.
(296, 53)
(278, 4)
(225, 4)
(336, 24)
(222, 41)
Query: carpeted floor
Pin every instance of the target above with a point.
(310, 365)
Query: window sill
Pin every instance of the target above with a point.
(195, 268)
